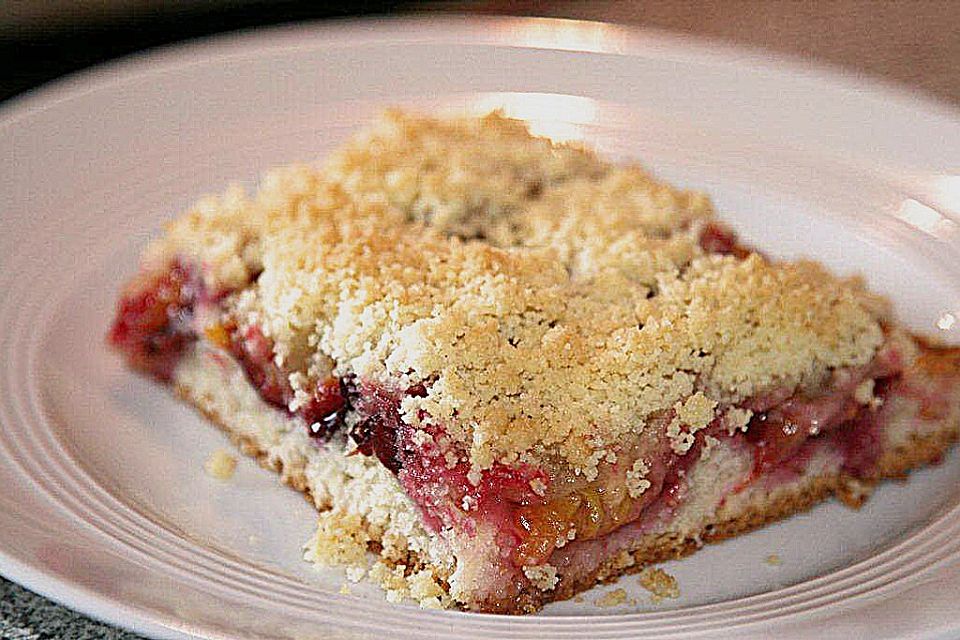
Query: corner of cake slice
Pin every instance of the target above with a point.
(504, 369)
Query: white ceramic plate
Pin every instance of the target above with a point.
(104, 505)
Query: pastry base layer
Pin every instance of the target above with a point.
(367, 511)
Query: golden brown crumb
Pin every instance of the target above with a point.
(220, 465)
(613, 598)
(659, 583)
(543, 577)
(545, 331)
(341, 539)
(773, 560)
(636, 479)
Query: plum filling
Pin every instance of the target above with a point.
(533, 511)
(154, 319)
(778, 433)
(379, 430)
(327, 403)
(155, 324)
(716, 239)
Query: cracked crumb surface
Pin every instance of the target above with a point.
(614, 598)
(220, 464)
(659, 583)
(583, 328)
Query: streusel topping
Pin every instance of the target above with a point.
(462, 176)
(552, 305)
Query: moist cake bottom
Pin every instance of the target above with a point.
(370, 526)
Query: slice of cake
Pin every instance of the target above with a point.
(505, 369)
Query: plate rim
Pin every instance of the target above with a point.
(625, 39)
(631, 41)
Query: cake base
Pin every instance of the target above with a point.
(374, 515)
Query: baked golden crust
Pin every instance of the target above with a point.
(553, 304)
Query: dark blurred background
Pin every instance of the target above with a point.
(43, 39)
(913, 42)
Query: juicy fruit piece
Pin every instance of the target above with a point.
(587, 513)
(154, 319)
(324, 410)
(435, 475)
(717, 239)
(530, 523)
(597, 508)
(377, 431)
(254, 352)
(448, 498)
(779, 432)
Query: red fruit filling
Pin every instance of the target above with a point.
(531, 524)
(716, 239)
(380, 431)
(532, 512)
(779, 432)
(254, 352)
(154, 325)
(154, 319)
(326, 407)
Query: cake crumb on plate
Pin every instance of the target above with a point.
(773, 560)
(220, 465)
(614, 598)
(659, 583)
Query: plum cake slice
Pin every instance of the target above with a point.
(504, 369)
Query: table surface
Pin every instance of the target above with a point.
(912, 43)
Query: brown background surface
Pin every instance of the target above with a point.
(913, 42)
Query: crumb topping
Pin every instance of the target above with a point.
(340, 540)
(709, 442)
(543, 577)
(737, 419)
(552, 305)
(636, 480)
(865, 396)
(693, 414)
(462, 176)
